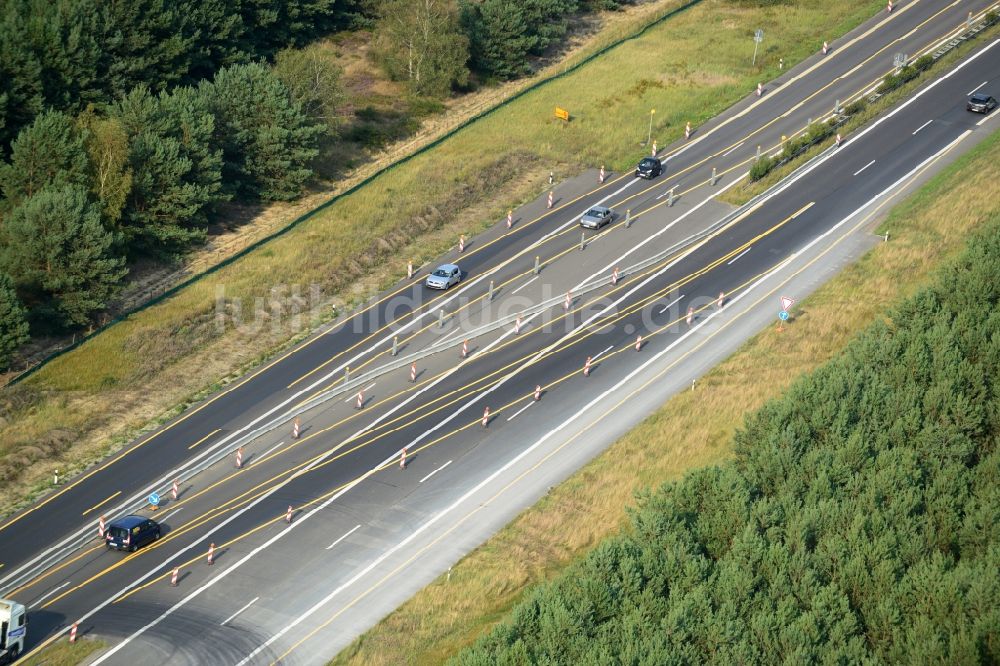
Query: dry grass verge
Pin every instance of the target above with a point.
(144, 369)
(690, 430)
(64, 653)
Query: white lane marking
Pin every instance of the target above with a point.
(238, 612)
(352, 531)
(364, 390)
(600, 354)
(515, 414)
(180, 508)
(264, 455)
(733, 148)
(733, 260)
(864, 167)
(673, 302)
(584, 410)
(434, 472)
(923, 126)
(974, 90)
(48, 594)
(988, 116)
(524, 285)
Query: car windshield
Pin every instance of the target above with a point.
(649, 161)
(979, 98)
(594, 212)
(440, 273)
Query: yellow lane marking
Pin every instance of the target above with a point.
(101, 503)
(204, 438)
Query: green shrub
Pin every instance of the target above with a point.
(762, 167)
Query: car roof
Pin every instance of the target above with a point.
(600, 208)
(982, 96)
(128, 522)
(647, 160)
(447, 267)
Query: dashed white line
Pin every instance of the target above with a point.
(239, 611)
(600, 354)
(983, 120)
(733, 260)
(434, 472)
(353, 530)
(969, 94)
(673, 302)
(171, 513)
(923, 126)
(733, 148)
(864, 167)
(49, 594)
(354, 396)
(512, 416)
(524, 285)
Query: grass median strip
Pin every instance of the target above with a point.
(692, 429)
(150, 366)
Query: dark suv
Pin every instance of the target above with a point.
(981, 103)
(130, 533)
(649, 167)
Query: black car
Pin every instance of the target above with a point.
(130, 533)
(649, 167)
(981, 103)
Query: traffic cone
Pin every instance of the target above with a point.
(402, 459)
(510, 219)
(654, 151)
(687, 131)
(638, 343)
(550, 198)
(173, 491)
(361, 400)
(586, 368)
(295, 428)
(72, 633)
(826, 49)
(288, 515)
(722, 300)
(600, 177)
(100, 527)
(888, 7)
(614, 276)
(567, 302)
(465, 348)
(760, 89)
(173, 577)
(461, 243)
(413, 372)
(409, 270)
(486, 417)
(690, 317)
(517, 325)
(211, 553)
(239, 458)
(839, 140)
(538, 392)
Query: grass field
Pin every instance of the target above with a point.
(64, 653)
(85, 403)
(926, 230)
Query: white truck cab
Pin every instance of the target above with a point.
(13, 629)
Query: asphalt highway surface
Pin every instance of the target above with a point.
(315, 537)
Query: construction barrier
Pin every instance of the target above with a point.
(173, 577)
(402, 459)
(239, 458)
(72, 633)
(413, 372)
(465, 348)
(100, 527)
(296, 424)
(173, 490)
(638, 343)
(211, 553)
(288, 514)
(550, 199)
(486, 417)
(538, 392)
(586, 368)
(690, 316)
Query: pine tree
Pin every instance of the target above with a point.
(499, 38)
(20, 75)
(60, 256)
(13, 323)
(50, 151)
(267, 142)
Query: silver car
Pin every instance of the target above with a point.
(597, 217)
(445, 276)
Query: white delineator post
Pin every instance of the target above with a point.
(690, 317)
(72, 633)
(461, 243)
(614, 276)
(653, 151)
(361, 400)
(510, 219)
(211, 553)
(402, 458)
(517, 325)
(687, 131)
(409, 270)
(888, 7)
(465, 348)
(600, 177)
(568, 301)
(550, 198)
(538, 392)
(839, 140)
(638, 343)
(239, 458)
(722, 299)
(173, 490)
(826, 49)
(586, 368)
(295, 428)
(173, 577)
(288, 514)
(760, 89)
(486, 417)
(413, 372)
(100, 527)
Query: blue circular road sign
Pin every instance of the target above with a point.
(154, 499)
(783, 315)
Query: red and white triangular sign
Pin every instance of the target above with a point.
(786, 303)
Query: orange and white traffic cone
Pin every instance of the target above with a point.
(173, 491)
(722, 300)
(517, 325)
(72, 633)
(687, 131)
(288, 514)
(100, 527)
(413, 372)
(296, 428)
(600, 176)
(550, 199)
(361, 400)
(653, 151)
(465, 348)
(538, 392)
(239, 458)
(486, 417)
(510, 219)
(409, 270)
(568, 301)
(614, 276)
(760, 89)
(173, 577)
(402, 459)
(461, 243)
(638, 343)
(826, 49)
(586, 368)
(888, 7)
(211, 553)
(690, 317)
(839, 140)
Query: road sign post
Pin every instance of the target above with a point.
(758, 37)
(154, 500)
